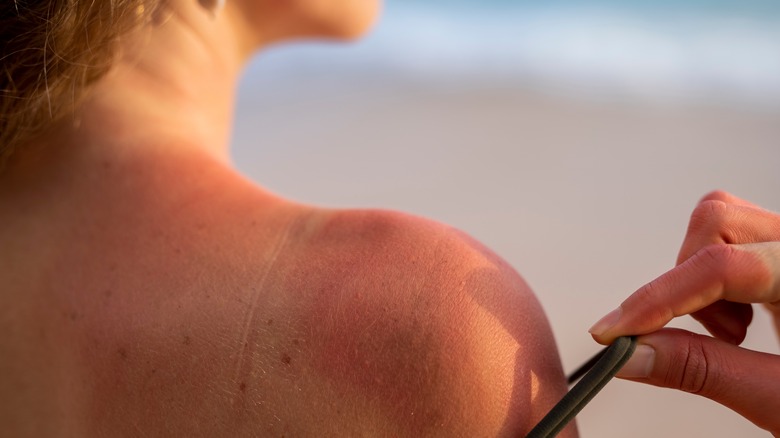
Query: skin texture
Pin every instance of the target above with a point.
(216, 309)
(730, 258)
(147, 289)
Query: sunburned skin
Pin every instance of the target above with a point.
(419, 294)
(176, 299)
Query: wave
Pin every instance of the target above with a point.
(648, 51)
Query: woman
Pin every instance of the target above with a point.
(147, 289)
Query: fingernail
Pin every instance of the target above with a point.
(640, 364)
(606, 322)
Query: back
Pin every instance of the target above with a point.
(176, 299)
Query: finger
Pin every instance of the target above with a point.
(728, 198)
(726, 320)
(739, 273)
(774, 309)
(745, 381)
(716, 222)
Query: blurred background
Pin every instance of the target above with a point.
(572, 137)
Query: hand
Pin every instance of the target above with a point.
(730, 258)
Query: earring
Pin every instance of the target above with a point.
(213, 6)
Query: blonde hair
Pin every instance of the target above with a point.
(51, 52)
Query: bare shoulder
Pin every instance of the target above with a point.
(418, 330)
(225, 317)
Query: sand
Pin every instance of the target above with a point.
(587, 199)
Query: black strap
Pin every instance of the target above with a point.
(597, 372)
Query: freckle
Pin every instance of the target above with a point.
(187, 340)
(242, 386)
(270, 322)
(286, 359)
(122, 353)
(107, 293)
(296, 342)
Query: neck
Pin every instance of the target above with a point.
(171, 87)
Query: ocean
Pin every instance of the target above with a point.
(722, 51)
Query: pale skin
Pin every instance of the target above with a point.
(729, 260)
(148, 289)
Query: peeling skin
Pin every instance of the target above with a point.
(365, 342)
(400, 324)
(369, 323)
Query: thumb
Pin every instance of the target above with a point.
(745, 381)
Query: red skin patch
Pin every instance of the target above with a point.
(380, 316)
(415, 316)
(377, 305)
